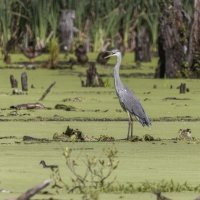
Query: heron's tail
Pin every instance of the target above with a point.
(145, 121)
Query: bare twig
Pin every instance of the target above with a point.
(47, 91)
(31, 192)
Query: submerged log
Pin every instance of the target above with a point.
(28, 106)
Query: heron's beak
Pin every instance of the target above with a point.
(108, 56)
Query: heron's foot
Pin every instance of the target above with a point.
(130, 138)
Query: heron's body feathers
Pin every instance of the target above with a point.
(131, 103)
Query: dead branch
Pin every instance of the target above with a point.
(47, 91)
(31, 192)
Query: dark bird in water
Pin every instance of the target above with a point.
(44, 165)
(128, 101)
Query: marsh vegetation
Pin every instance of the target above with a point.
(58, 105)
(166, 163)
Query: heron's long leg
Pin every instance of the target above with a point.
(128, 130)
(129, 125)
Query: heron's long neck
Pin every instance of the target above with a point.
(118, 82)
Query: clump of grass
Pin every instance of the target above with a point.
(162, 186)
(54, 51)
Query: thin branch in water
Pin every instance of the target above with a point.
(47, 91)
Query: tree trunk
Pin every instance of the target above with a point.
(67, 29)
(194, 44)
(119, 38)
(173, 40)
(131, 38)
(143, 44)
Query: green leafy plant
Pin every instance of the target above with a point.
(97, 171)
(96, 177)
(54, 50)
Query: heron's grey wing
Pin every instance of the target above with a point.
(131, 103)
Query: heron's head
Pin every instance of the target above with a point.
(114, 52)
(42, 162)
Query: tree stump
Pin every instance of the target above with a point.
(101, 58)
(7, 59)
(81, 54)
(13, 82)
(182, 88)
(93, 79)
(24, 81)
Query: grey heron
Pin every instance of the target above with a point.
(128, 101)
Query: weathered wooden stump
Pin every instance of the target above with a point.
(24, 81)
(93, 79)
(182, 88)
(81, 54)
(101, 58)
(13, 82)
(7, 59)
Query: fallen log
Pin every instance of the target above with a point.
(31, 192)
(28, 106)
(29, 138)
